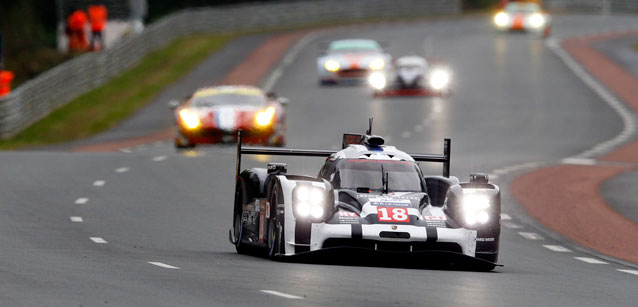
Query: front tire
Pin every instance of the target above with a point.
(276, 242)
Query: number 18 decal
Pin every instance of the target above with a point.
(393, 214)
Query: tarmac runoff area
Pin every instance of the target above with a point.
(593, 201)
(566, 198)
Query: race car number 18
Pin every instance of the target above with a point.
(393, 214)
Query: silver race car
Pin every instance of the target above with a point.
(370, 198)
(412, 76)
(351, 60)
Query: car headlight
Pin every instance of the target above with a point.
(377, 64)
(440, 78)
(536, 20)
(264, 118)
(331, 65)
(309, 201)
(377, 80)
(501, 19)
(475, 209)
(190, 119)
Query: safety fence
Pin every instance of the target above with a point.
(596, 6)
(36, 98)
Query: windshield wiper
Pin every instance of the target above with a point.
(385, 180)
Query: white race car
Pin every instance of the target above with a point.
(368, 198)
(351, 60)
(412, 76)
(523, 16)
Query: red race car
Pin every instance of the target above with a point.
(215, 114)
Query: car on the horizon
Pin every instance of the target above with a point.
(351, 60)
(215, 114)
(412, 75)
(367, 198)
(525, 16)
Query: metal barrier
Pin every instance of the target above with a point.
(596, 6)
(38, 97)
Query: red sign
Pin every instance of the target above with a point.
(399, 215)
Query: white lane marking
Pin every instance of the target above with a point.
(512, 225)
(406, 134)
(288, 58)
(76, 219)
(492, 176)
(126, 150)
(164, 265)
(99, 183)
(159, 158)
(579, 161)
(277, 293)
(530, 235)
(81, 201)
(98, 240)
(634, 272)
(557, 248)
(122, 170)
(590, 260)
(505, 217)
(627, 116)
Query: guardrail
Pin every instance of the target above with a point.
(597, 6)
(38, 97)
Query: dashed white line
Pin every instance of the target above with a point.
(557, 248)
(76, 219)
(590, 260)
(126, 150)
(634, 272)
(505, 217)
(530, 235)
(579, 161)
(99, 183)
(98, 240)
(122, 170)
(164, 265)
(159, 158)
(81, 201)
(511, 225)
(277, 293)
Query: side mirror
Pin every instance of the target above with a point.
(173, 104)
(283, 101)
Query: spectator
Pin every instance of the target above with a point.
(75, 30)
(97, 16)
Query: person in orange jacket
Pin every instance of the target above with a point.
(75, 30)
(97, 16)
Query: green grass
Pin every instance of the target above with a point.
(102, 108)
(635, 46)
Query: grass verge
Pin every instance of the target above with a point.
(102, 108)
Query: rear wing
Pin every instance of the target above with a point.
(250, 150)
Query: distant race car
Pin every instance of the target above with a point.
(368, 198)
(412, 76)
(351, 60)
(215, 114)
(523, 16)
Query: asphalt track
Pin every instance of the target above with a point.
(164, 216)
